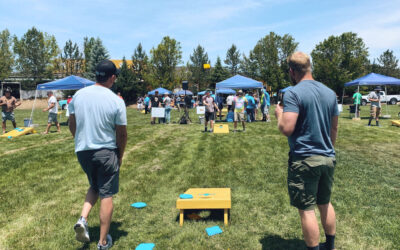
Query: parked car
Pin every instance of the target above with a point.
(63, 104)
(390, 99)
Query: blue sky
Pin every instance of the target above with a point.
(213, 24)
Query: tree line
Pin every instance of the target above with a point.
(335, 61)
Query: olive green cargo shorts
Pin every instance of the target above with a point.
(310, 180)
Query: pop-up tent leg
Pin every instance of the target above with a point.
(33, 107)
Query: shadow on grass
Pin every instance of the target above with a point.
(115, 233)
(203, 215)
(276, 242)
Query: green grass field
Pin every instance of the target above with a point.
(42, 187)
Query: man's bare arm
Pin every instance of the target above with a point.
(334, 129)
(72, 124)
(122, 137)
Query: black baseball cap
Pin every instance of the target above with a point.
(106, 68)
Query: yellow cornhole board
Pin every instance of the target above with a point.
(396, 123)
(205, 198)
(16, 133)
(221, 129)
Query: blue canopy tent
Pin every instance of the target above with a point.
(161, 91)
(239, 82)
(67, 83)
(202, 92)
(226, 91)
(184, 92)
(372, 79)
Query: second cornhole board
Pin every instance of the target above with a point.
(206, 198)
(396, 123)
(221, 129)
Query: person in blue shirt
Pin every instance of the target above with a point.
(265, 103)
(309, 118)
(251, 104)
(146, 103)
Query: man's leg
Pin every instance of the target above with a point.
(328, 220)
(378, 113)
(235, 125)
(58, 127)
(309, 226)
(47, 128)
(244, 126)
(4, 127)
(90, 201)
(14, 124)
(106, 210)
(212, 125)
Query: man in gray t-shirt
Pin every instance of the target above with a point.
(309, 119)
(375, 111)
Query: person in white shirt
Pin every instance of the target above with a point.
(53, 110)
(229, 101)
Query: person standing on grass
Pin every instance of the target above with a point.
(8, 103)
(265, 103)
(229, 101)
(375, 98)
(357, 102)
(155, 102)
(309, 118)
(211, 106)
(98, 124)
(251, 104)
(239, 104)
(53, 111)
(146, 104)
(167, 105)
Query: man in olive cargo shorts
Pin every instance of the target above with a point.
(309, 119)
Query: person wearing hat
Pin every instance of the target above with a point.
(8, 103)
(211, 106)
(239, 104)
(375, 110)
(98, 124)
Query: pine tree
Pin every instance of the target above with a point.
(72, 60)
(6, 55)
(125, 83)
(233, 60)
(219, 73)
(195, 66)
(97, 54)
(140, 67)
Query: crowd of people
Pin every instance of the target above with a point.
(214, 105)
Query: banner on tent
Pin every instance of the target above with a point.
(158, 112)
(201, 110)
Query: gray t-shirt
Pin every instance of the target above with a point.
(316, 105)
(374, 95)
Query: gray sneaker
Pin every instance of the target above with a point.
(108, 246)
(81, 230)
